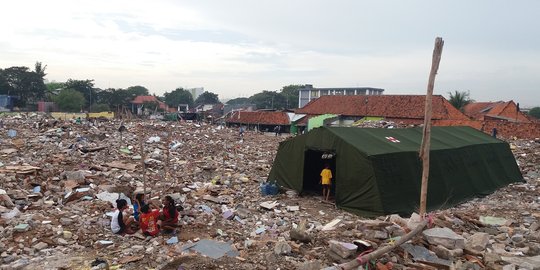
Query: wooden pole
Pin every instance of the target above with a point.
(424, 154)
(141, 145)
(168, 153)
(426, 136)
(354, 264)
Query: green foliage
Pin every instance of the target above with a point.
(178, 96)
(459, 99)
(22, 82)
(85, 87)
(70, 100)
(100, 107)
(115, 98)
(535, 112)
(291, 95)
(207, 98)
(269, 100)
(238, 101)
(138, 90)
(54, 86)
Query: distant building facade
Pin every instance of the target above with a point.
(196, 92)
(308, 93)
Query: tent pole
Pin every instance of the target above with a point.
(426, 136)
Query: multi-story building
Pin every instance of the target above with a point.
(308, 93)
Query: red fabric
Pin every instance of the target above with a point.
(167, 215)
(149, 222)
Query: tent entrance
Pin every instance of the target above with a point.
(314, 162)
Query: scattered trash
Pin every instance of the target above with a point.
(12, 133)
(489, 220)
(211, 248)
(331, 225)
(172, 240)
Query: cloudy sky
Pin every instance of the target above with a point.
(239, 47)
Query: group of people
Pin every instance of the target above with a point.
(150, 220)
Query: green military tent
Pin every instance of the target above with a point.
(378, 171)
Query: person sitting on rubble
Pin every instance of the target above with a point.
(149, 221)
(138, 203)
(120, 223)
(169, 215)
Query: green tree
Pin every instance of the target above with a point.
(138, 90)
(238, 101)
(70, 100)
(535, 112)
(207, 98)
(52, 89)
(291, 95)
(459, 99)
(24, 83)
(85, 87)
(269, 100)
(178, 96)
(115, 98)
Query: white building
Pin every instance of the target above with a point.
(308, 93)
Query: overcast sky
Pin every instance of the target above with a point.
(238, 48)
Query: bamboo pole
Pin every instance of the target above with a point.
(168, 130)
(424, 154)
(141, 145)
(379, 252)
(426, 136)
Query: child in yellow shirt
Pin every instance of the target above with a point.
(326, 181)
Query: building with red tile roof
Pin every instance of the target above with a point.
(395, 107)
(262, 120)
(500, 110)
(140, 100)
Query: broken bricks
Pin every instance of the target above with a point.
(206, 154)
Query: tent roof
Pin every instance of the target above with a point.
(376, 141)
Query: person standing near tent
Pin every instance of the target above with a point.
(326, 181)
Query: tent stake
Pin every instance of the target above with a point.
(426, 136)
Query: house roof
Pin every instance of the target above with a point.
(389, 106)
(150, 99)
(259, 117)
(144, 99)
(506, 110)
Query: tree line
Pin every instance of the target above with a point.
(29, 86)
(73, 95)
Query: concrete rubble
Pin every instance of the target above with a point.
(59, 184)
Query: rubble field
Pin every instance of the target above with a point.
(59, 179)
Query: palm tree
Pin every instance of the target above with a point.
(459, 99)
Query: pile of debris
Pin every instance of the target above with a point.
(60, 183)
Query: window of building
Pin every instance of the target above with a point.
(314, 93)
(349, 92)
(339, 92)
(324, 92)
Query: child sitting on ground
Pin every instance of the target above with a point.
(169, 215)
(120, 223)
(137, 205)
(149, 221)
